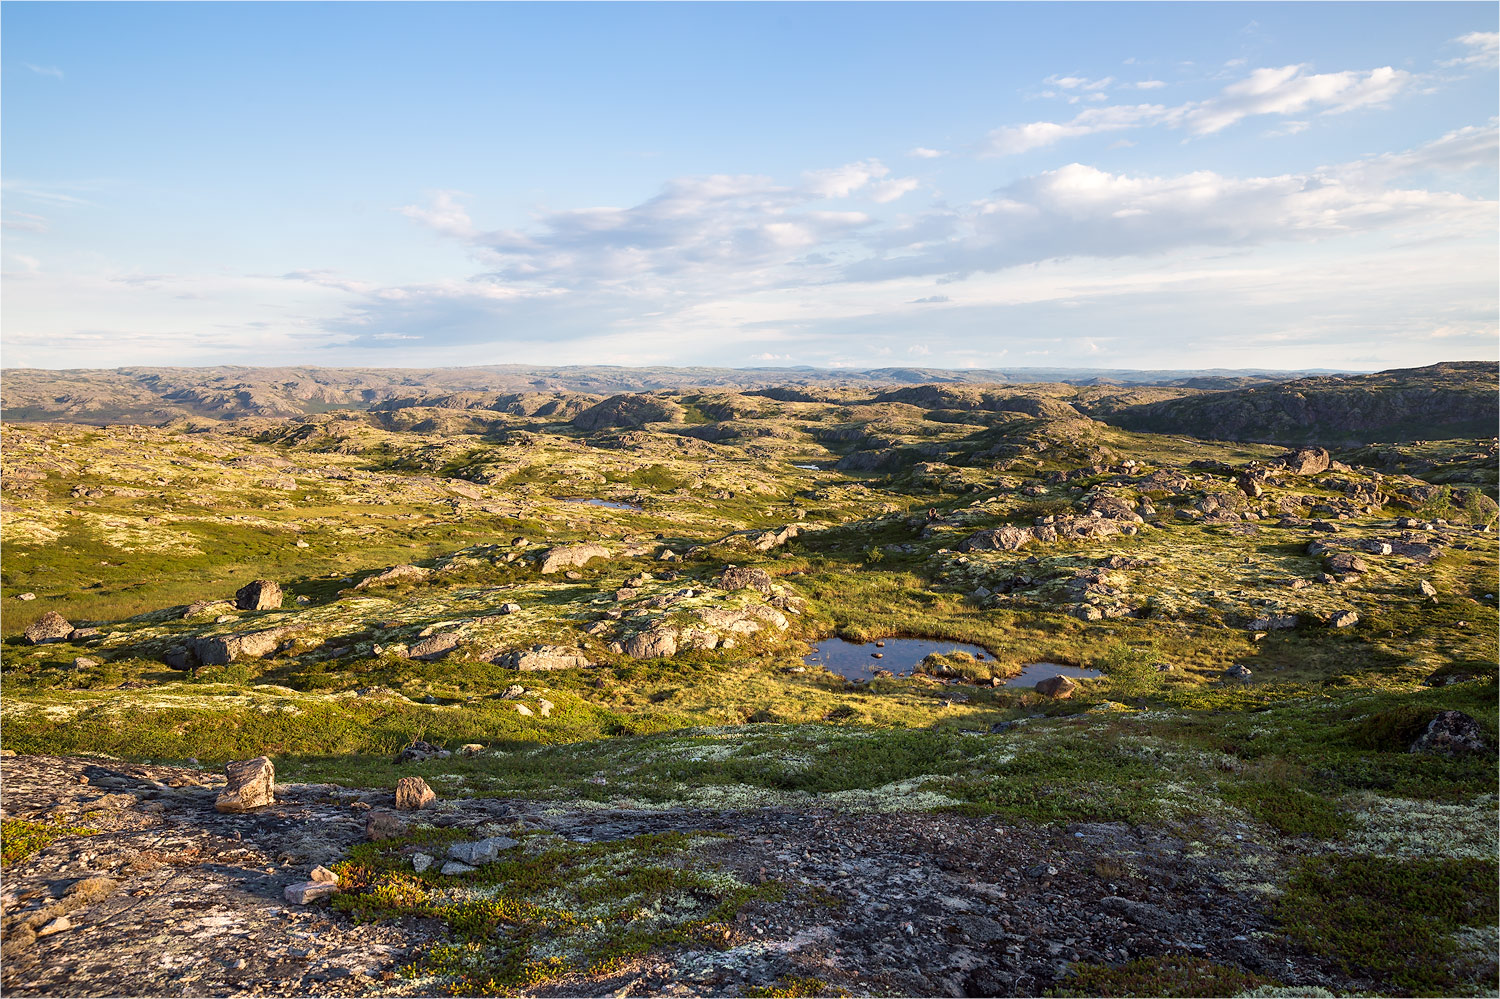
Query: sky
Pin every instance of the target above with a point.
(1121, 185)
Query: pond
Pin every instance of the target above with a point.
(810, 468)
(612, 504)
(1031, 675)
(855, 661)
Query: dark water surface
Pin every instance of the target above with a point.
(1031, 675)
(900, 655)
(612, 504)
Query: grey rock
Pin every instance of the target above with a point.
(543, 657)
(571, 556)
(435, 647)
(262, 594)
(480, 851)
(421, 861)
(1450, 733)
(1343, 619)
(412, 794)
(50, 627)
(453, 867)
(251, 785)
(1059, 687)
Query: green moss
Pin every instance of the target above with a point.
(1170, 975)
(1390, 921)
(21, 839)
(793, 987)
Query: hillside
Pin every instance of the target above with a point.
(1449, 400)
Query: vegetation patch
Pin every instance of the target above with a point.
(1171, 975)
(21, 839)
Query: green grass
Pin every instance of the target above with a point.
(1170, 975)
(21, 839)
(1388, 921)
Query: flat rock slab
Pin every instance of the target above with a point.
(192, 902)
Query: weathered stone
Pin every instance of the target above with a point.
(25, 596)
(380, 824)
(421, 861)
(1343, 619)
(57, 925)
(652, 643)
(453, 868)
(1238, 671)
(434, 647)
(395, 574)
(50, 627)
(1059, 687)
(1274, 622)
(570, 556)
(251, 785)
(1450, 733)
(262, 594)
(84, 662)
(217, 650)
(419, 750)
(470, 749)
(544, 708)
(1006, 538)
(1426, 588)
(510, 608)
(1307, 461)
(480, 851)
(745, 578)
(1086, 612)
(412, 793)
(307, 892)
(1343, 563)
(543, 657)
(523, 710)
(321, 873)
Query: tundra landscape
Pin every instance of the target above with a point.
(499, 681)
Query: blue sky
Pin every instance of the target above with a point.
(946, 185)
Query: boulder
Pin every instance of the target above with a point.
(741, 622)
(216, 650)
(1274, 622)
(470, 749)
(262, 594)
(453, 868)
(543, 657)
(1238, 671)
(1450, 733)
(307, 892)
(1343, 563)
(420, 750)
(1006, 538)
(380, 824)
(1343, 619)
(412, 794)
(747, 578)
(1059, 687)
(433, 648)
(569, 556)
(1426, 588)
(509, 608)
(652, 643)
(321, 873)
(395, 574)
(1307, 461)
(50, 627)
(252, 785)
(481, 851)
(421, 861)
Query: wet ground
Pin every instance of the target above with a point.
(855, 661)
(611, 504)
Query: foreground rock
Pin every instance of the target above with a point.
(572, 556)
(252, 785)
(1059, 687)
(412, 793)
(179, 900)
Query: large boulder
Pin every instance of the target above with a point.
(543, 657)
(652, 643)
(1274, 622)
(1006, 538)
(252, 785)
(747, 578)
(1059, 687)
(262, 594)
(629, 410)
(50, 627)
(433, 648)
(395, 574)
(1307, 461)
(570, 556)
(741, 622)
(412, 794)
(1451, 733)
(1343, 563)
(216, 650)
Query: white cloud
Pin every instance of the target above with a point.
(840, 182)
(24, 222)
(51, 71)
(1483, 46)
(923, 153)
(886, 191)
(445, 214)
(1469, 148)
(1280, 91)
(1146, 84)
(1079, 82)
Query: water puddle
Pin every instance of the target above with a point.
(611, 504)
(899, 655)
(810, 468)
(1031, 675)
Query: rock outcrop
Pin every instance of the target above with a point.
(262, 594)
(50, 627)
(252, 785)
(571, 556)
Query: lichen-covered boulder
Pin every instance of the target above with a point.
(543, 657)
(1006, 538)
(570, 556)
(1059, 687)
(413, 793)
(745, 578)
(1450, 733)
(50, 627)
(262, 594)
(252, 785)
(1307, 461)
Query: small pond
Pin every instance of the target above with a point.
(810, 468)
(612, 504)
(855, 661)
(1031, 675)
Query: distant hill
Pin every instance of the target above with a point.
(1449, 400)
(159, 395)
